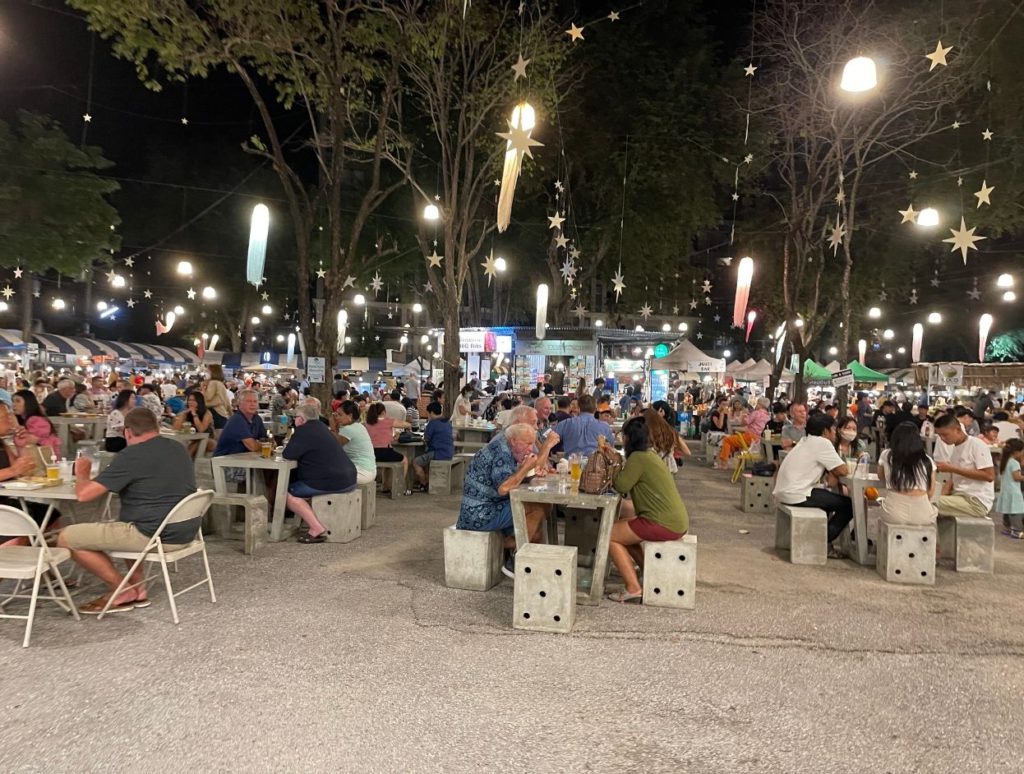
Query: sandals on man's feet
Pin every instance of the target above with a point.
(321, 538)
(96, 607)
(624, 596)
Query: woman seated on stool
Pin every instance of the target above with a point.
(381, 429)
(37, 428)
(195, 416)
(909, 474)
(655, 512)
(114, 437)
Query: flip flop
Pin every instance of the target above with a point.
(96, 607)
(622, 597)
(142, 603)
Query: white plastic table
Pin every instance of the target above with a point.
(251, 461)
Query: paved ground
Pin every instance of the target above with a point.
(356, 658)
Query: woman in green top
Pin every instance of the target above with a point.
(656, 513)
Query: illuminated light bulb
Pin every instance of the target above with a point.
(102, 305)
(874, 313)
(683, 327)
(1009, 295)
(859, 75)
(255, 320)
(209, 293)
(417, 308)
(928, 217)
(598, 323)
(1004, 281)
(887, 334)
(431, 212)
(118, 281)
(666, 327)
(500, 264)
(280, 338)
(359, 300)
(178, 310)
(935, 318)
(727, 353)
(185, 267)
(833, 350)
(267, 309)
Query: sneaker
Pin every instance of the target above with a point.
(1016, 534)
(509, 568)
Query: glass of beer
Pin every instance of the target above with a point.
(266, 448)
(575, 469)
(53, 472)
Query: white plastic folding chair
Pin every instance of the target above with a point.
(192, 507)
(21, 563)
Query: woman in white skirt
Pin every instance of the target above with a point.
(908, 473)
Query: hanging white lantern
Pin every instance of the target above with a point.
(859, 75)
(744, 276)
(185, 267)
(928, 217)
(213, 341)
(1009, 296)
(915, 347)
(934, 318)
(862, 350)
(1004, 281)
(342, 325)
(751, 319)
(984, 326)
(542, 311)
(209, 293)
(874, 313)
(523, 120)
(431, 213)
(257, 244)
(291, 346)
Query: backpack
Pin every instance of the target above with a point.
(600, 473)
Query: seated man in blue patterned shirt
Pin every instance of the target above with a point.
(496, 470)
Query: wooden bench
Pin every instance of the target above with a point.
(803, 532)
(443, 474)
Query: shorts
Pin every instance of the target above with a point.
(218, 420)
(387, 454)
(424, 460)
(645, 529)
(305, 491)
(108, 536)
(501, 521)
(365, 476)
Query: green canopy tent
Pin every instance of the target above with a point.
(865, 374)
(813, 372)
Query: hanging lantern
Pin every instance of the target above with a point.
(542, 310)
(257, 244)
(780, 341)
(984, 326)
(928, 217)
(342, 325)
(431, 213)
(915, 347)
(743, 277)
(862, 350)
(751, 317)
(165, 327)
(291, 346)
(518, 144)
(859, 75)
(213, 341)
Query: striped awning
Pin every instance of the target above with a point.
(258, 359)
(89, 348)
(11, 339)
(67, 345)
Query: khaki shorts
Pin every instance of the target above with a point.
(107, 536)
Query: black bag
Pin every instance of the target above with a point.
(406, 437)
(766, 469)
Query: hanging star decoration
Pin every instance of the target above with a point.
(520, 140)
(706, 287)
(959, 182)
(984, 193)
(913, 296)
(556, 220)
(36, 294)
(749, 70)
(435, 259)
(735, 196)
(913, 174)
(17, 273)
(707, 300)
(974, 294)
(7, 292)
(987, 134)
(191, 294)
(693, 303)
(321, 273)
(184, 121)
(749, 158)
(963, 240)
(956, 125)
(129, 262)
(87, 118)
(559, 186)
(575, 33)
(699, 335)
(131, 303)
(938, 56)
(837, 236)
(613, 16)
(519, 68)
(574, 253)
(490, 267)
(561, 241)
(568, 271)
(675, 309)
(934, 281)
(428, 288)
(350, 282)
(617, 282)
(111, 275)
(909, 214)
(265, 296)
(377, 283)
(646, 311)
(841, 196)
(148, 294)
(884, 295)
(580, 311)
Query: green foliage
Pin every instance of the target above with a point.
(54, 212)
(1007, 347)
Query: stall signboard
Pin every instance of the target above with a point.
(484, 341)
(946, 375)
(316, 370)
(842, 378)
(659, 385)
(555, 348)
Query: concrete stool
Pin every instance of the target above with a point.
(581, 527)
(803, 532)
(544, 597)
(369, 509)
(971, 540)
(472, 560)
(254, 507)
(340, 513)
(397, 478)
(204, 473)
(444, 474)
(670, 573)
(756, 493)
(906, 553)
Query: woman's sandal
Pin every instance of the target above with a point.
(321, 538)
(624, 596)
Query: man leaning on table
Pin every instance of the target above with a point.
(970, 491)
(243, 433)
(151, 475)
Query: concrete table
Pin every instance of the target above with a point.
(481, 434)
(856, 486)
(546, 490)
(63, 422)
(410, 451)
(251, 461)
(187, 438)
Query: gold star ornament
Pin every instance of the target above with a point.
(938, 56)
(964, 239)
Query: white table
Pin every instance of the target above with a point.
(187, 438)
(856, 486)
(62, 424)
(53, 496)
(251, 461)
(546, 490)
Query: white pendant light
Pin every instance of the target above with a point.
(928, 217)
(859, 75)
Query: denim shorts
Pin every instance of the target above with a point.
(305, 491)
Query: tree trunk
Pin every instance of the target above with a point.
(26, 307)
(87, 276)
(451, 357)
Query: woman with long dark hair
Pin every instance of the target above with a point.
(908, 473)
(37, 428)
(197, 416)
(655, 511)
(123, 402)
(381, 429)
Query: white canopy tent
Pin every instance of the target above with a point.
(688, 358)
(756, 372)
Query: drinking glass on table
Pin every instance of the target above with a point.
(575, 469)
(266, 448)
(53, 472)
